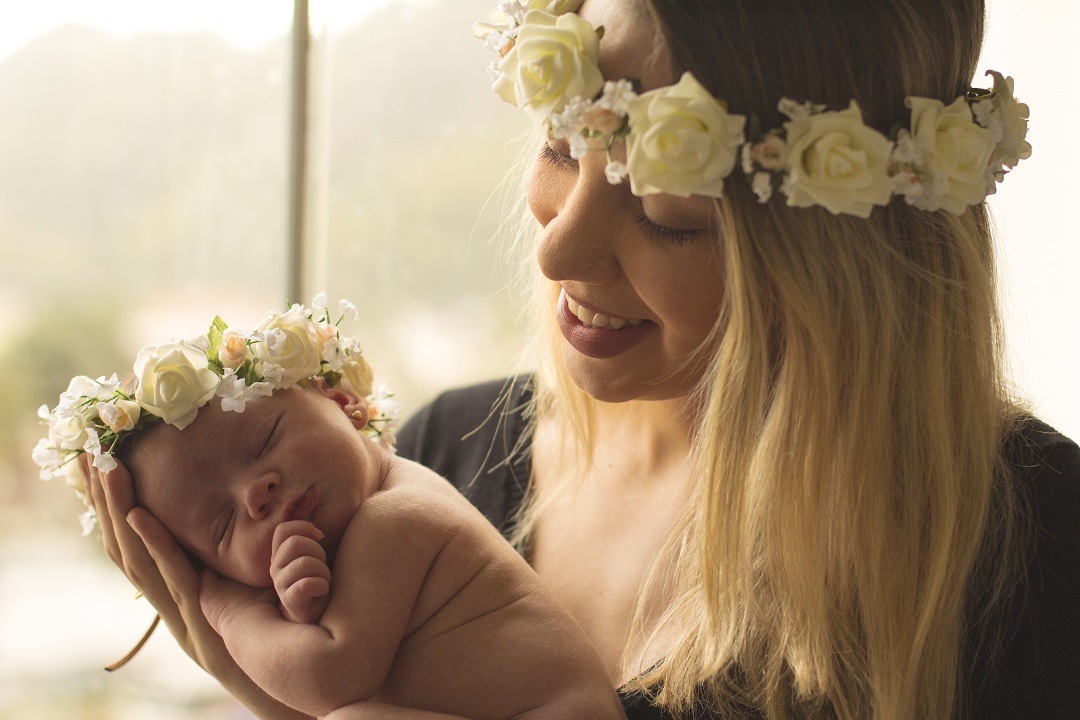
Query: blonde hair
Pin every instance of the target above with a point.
(850, 487)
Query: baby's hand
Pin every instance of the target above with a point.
(299, 570)
(223, 600)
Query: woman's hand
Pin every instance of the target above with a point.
(147, 553)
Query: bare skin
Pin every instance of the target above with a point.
(427, 606)
(594, 549)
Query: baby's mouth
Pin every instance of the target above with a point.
(598, 320)
(301, 507)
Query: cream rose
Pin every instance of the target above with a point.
(836, 161)
(356, 376)
(501, 22)
(233, 350)
(69, 432)
(1013, 116)
(554, 58)
(174, 382)
(682, 141)
(955, 149)
(291, 344)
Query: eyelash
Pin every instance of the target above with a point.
(660, 233)
(225, 527)
(555, 157)
(269, 437)
(665, 234)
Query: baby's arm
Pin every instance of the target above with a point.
(381, 564)
(299, 570)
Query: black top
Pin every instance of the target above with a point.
(469, 435)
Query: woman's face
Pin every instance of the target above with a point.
(641, 281)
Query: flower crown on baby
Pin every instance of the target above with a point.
(683, 141)
(176, 379)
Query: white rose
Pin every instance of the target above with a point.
(510, 13)
(295, 350)
(954, 149)
(233, 350)
(69, 432)
(837, 162)
(553, 60)
(682, 141)
(120, 415)
(356, 376)
(174, 382)
(555, 7)
(75, 478)
(1013, 116)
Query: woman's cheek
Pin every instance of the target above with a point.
(538, 191)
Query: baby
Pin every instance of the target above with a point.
(337, 572)
(427, 606)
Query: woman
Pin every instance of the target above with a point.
(773, 466)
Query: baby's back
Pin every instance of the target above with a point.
(484, 638)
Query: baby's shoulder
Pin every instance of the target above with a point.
(418, 498)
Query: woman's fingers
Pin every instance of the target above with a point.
(169, 561)
(100, 505)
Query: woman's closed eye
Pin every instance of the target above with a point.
(666, 234)
(559, 156)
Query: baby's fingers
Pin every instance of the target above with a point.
(295, 529)
(303, 592)
(302, 567)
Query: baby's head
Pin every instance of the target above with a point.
(226, 481)
(295, 385)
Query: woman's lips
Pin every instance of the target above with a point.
(596, 335)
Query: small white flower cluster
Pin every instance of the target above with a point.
(682, 141)
(176, 379)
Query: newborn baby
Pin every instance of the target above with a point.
(426, 605)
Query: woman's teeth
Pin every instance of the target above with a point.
(588, 317)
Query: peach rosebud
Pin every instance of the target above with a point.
(324, 332)
(120, 415)
(233, 350)
(770, 152)
(602, 120)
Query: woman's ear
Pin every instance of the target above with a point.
(350, 403)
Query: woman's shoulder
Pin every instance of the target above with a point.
(1037, 673)
(476, 437)
(1046, 467)
(1040, 451)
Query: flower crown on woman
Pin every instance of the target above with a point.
(682, 141)
(175, 379)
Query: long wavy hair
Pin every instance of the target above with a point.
(850, 487)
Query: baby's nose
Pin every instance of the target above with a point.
(261, 495)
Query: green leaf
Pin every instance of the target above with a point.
(217, 329)
(247, 371)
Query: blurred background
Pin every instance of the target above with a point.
(145, 186)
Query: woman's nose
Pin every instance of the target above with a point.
(581, 218)
(260, 495)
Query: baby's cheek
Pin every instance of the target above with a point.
(249, 562)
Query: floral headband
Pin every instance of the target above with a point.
(176, 379)
(683, 141)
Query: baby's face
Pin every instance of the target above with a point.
(225, 482)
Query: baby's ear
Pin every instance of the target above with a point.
(350, 403)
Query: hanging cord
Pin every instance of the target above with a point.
(135, 650)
